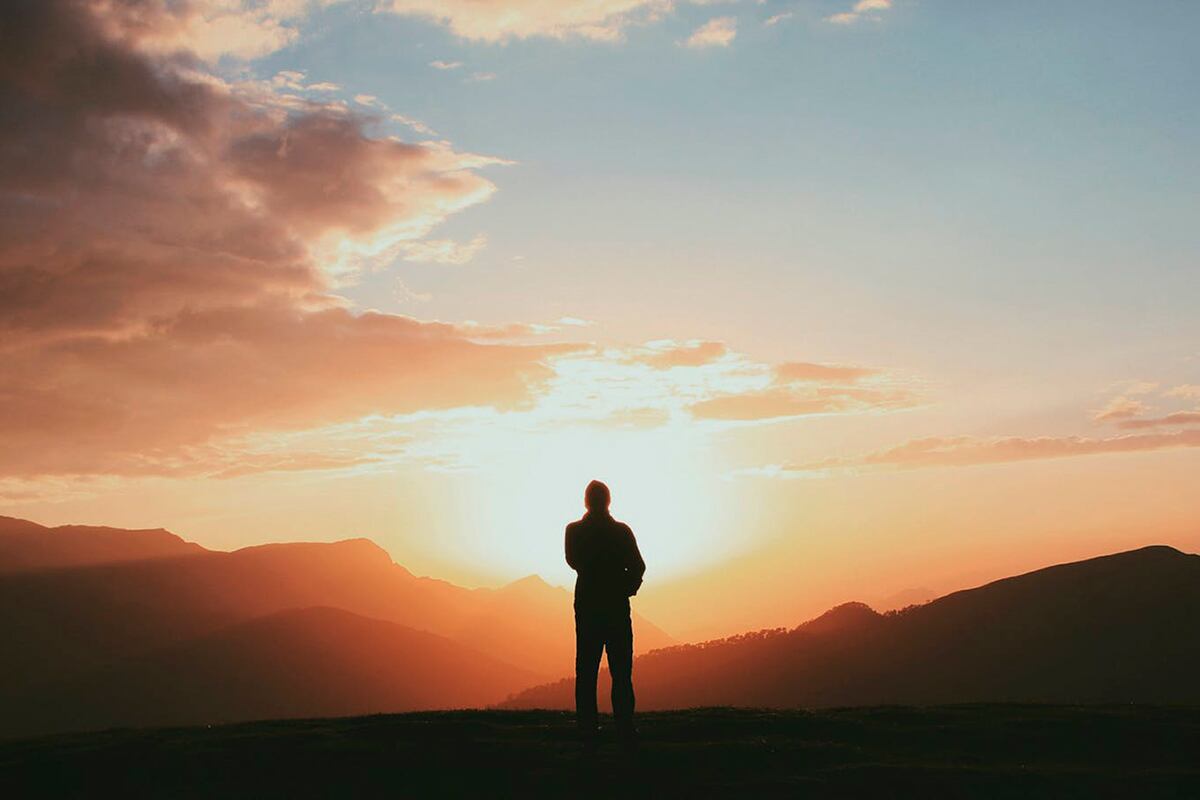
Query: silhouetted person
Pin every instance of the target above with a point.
(605, 554)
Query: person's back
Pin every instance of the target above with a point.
(605, 555)
(602, 550)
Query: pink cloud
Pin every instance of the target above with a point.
(1177, 418)
(169, 245)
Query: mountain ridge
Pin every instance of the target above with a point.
(26, 545)
(1123, 627)
(64, 625)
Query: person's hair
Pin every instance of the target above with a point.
(596, 496)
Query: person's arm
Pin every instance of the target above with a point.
(635, 565)
(569, 546)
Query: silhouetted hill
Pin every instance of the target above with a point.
(61, 626)
(298, 663)
(1116, 629)
(979, 751)
(78, 618)
(28, 546)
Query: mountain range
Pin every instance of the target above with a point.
(104, 627)
(87, 611)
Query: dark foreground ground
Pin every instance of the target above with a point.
(956, 751)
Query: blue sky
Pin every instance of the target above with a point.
(1004, 170)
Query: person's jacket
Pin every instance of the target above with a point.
(605, 555)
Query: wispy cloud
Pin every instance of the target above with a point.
(445, 65)
(863, 9)
(1168, 420)
(717, 32)
(1119, 408)
(1129, 413)
(961, 451)
(777, 18)
(800, 371)
(1188, 390)
(444, 251)
(414, 124)
(781, 402)
(600, 20)
(798, 389)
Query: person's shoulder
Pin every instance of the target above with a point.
(573, 526)
(622, 527)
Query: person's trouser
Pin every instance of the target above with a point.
(593, 635)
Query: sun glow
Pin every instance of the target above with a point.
(611, 418)
(662, 483)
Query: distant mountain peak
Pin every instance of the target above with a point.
(533, 580)
(529, 587)
(841, 617)
(359, 550)
(1153, 550)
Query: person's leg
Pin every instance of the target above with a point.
(620, 666)
(589, 643)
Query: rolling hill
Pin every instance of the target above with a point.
(1123, 628)
(312, 662)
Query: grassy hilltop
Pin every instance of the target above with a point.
(949, 751)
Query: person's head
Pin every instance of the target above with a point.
(596, 496)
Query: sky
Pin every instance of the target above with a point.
(844, 300)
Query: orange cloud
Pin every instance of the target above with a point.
(134, 404)
(798, 371)
(945, 451)
(691, 354)
(779, 402)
